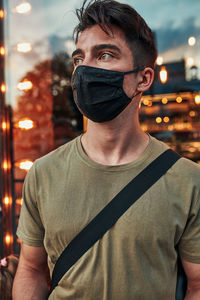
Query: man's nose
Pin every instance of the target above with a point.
(89, 61)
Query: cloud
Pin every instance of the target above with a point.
(171, 36)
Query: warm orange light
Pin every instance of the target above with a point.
(163, 75)
(197, 99)
(3, 88)
(166, 119)
(25, 85)
(2, 51)
(1, 14)
(164, 100)
(4, 126)
(19, 201)
(25, 165)
(158, 120)
(7, 200)
(179, 99)
(192, 113)
(26, 124)
(5, 165)
(24, 47)
(146, 102)
(8, 239)
(24, 8)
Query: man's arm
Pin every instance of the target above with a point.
(192, 271)
(31, 280)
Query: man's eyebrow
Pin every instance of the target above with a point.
(77, 51)
(98, 47)
(107, 46)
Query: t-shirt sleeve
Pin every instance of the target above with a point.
(30, 228)
(189, 246)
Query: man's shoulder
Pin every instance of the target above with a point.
(185, 174)
(189, 168)
(57, 156)
(184, 167)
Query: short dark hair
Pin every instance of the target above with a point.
(108, 13)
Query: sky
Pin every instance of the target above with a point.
(51, 23)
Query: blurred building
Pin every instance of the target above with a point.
(170, 110)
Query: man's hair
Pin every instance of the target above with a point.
(108, 13)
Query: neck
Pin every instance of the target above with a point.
(115, 142)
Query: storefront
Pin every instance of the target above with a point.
(37, 112)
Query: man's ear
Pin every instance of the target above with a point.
(145, 79)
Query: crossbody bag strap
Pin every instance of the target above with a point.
(111, 213)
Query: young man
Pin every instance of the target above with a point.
(67, 188)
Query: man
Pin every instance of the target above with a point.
(136, 259)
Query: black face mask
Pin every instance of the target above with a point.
(98, 93)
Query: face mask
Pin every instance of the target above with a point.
(98, 93)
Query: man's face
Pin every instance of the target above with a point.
(97, 49)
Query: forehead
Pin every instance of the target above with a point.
(95, 35)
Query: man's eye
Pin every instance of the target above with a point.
(105, 56)
(77, 61)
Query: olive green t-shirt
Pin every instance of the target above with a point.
(136, 259)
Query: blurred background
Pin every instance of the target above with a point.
(37, 112)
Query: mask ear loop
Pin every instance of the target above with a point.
(134, 71)
(135, 95)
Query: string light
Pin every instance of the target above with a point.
(5, 165)
(166, 119)
(19, 201)
(197, 99)
(3, 88)
(24, 165)
(158, 120)
(25, 85)
(192, 113)
(145, 101)
(7, 201)
(164, 100)
(23, 8)
(2, 51)
(1, 14)
(163, 75)
(179, 99)
(8, 239)
(26, 124)
(3, 125)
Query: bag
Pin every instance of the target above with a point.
(109, 215)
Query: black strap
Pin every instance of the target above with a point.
(111, 213)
